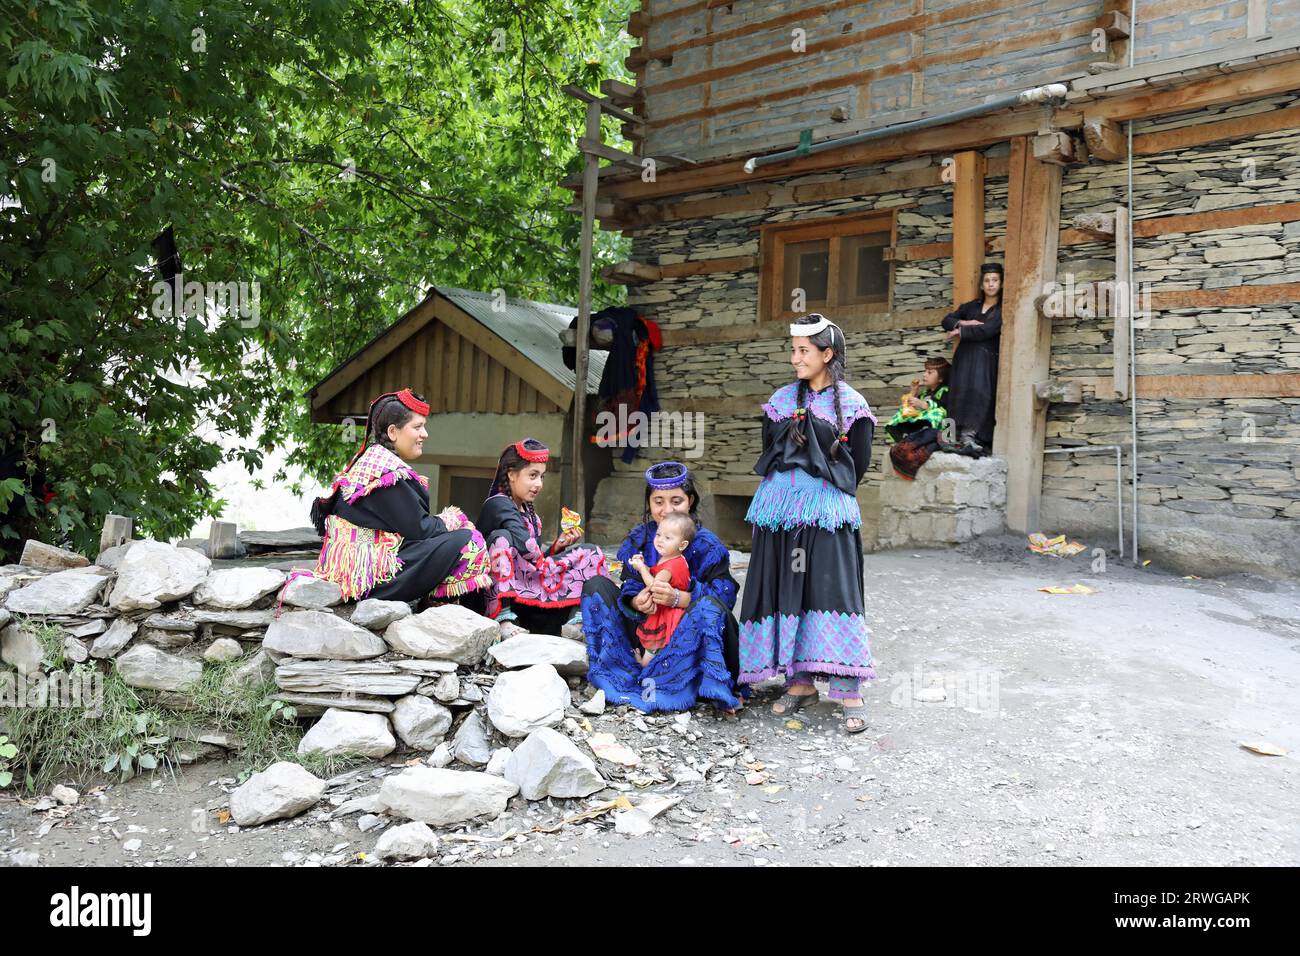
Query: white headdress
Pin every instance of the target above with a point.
(821, 324)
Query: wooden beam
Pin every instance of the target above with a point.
(1122, 304)
(1215, 91)
(1239, 127)
(594, 147)
(1116, 25)
(1033, 228)
(1056, 147)
(1286, 385)
(631, 273)
(967, 225)
(578, 431)
(1218, 219)
(1106, 141)
(776, 331)
(700, 267)
(1279, 293)
(620, 93)
(1098, 225)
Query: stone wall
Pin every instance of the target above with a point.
(953, 499)
(1227, 470)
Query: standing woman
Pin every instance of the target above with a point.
(803, 613)
(380, 540)
(535, 587)
(974, 330)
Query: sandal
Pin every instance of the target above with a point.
(794, 702)
(858, 712)
(511, 629)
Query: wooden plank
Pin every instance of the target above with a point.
(1033, 225)
(1279, 293)
(1215, 91)
(496, 388)
(1240, 127)
(1029, 41)
(918, 251)
(701, 267)
(967, 225)
(875, 322)
(1106, 141)
(478, 384)
(1260, 385)
(1218, 219)
(965, 134)
(1165, 66)
(1122, 305)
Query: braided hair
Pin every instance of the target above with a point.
(509, 461)
(688, 487)
(829, 338)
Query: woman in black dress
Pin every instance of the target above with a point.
(974, 329)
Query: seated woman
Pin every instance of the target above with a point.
(916, 428)
(380, 540)
(702, 660)
(534, 587)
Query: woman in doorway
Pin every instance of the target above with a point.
(535, 587)
(974, 329)
(379, 539)
(803, 613)
(701, 662)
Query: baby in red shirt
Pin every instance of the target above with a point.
(672, 538)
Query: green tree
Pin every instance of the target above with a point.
(342, 155)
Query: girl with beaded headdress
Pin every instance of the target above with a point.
(532, 582)
(379, 539)
(701, 660)
(803, 614)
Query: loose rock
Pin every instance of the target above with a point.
(311, 592)
(420, 722)
(523, 701)
(443, 797)
(448, 632)
(64, 592)
(224, 649)
(341, 732)
(238, 588)
(320, 634)
(146, 666)
(117, 636)
(525, 650)
(377, 615)
(281, 790)
(549, 764)
(152, 572)
(410, 841)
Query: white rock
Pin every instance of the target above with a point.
(525, 650)
(224, 649)
(595, 706)
(111, 558)
(321, 635)
(65, 795)
(410, 841)
(377, 615)
(63, 592)
(21, 649)
(443, 797)
(341, 732)
(420, 722)
(549, 764)
(152, 572)
(281, 790)
(117, 636)
(75, 650)
(146, 666)
(446, 688)
(523, 701)
(448, 632)
(632, 822)
(310, 592)
(496, 764)
(441, 756)
(471, 744)
(238, 588)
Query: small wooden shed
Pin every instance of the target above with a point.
(491, 369)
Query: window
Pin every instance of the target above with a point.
(839, 264)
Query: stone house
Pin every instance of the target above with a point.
(873, 154)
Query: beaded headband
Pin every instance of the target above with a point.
(664, 482)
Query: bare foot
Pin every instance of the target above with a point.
(798, 690)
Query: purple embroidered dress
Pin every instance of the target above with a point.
(803, 612)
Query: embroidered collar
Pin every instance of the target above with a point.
(376, 468)
(853, 406)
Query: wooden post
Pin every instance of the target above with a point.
(1033, 227)
(590, 179)
(967, 226)
(1121, 302)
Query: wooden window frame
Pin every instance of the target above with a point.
(774, 237)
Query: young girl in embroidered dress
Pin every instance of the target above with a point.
(802, 615)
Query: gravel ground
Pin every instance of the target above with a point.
(1009, 726)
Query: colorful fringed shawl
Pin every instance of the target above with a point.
(789, 499)
(360, 559)
(934, 415)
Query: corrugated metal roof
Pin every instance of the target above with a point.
(531, 327)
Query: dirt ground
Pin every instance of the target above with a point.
(1009, 726)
